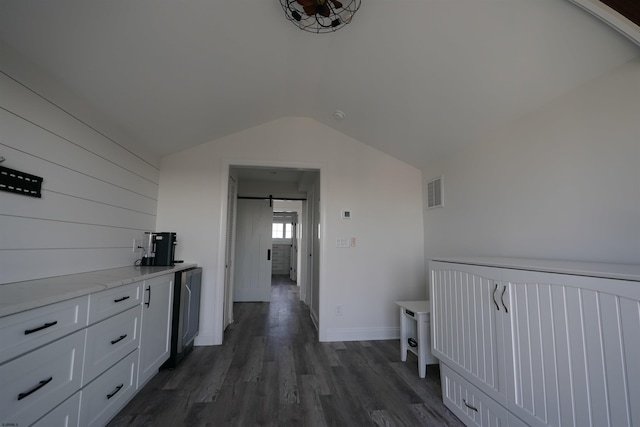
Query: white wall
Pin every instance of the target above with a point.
(383, 193)
(97, 195)
(562, 183)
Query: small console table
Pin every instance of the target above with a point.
(415, 335)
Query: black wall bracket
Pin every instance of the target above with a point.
(14, 181)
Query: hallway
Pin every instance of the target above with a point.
(272, 371)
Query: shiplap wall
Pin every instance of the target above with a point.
(97, 196)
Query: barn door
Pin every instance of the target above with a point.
(252, 272)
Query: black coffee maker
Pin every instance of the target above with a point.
(159, 249)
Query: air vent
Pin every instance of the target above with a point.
(434, 193)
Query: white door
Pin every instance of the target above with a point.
(155, 336)
(252, 271)
(467, 324)
(228, 256)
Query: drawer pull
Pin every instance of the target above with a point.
(494, 297)
(36, 388)
(502, 300)
(110, 395)
(121, 299)
(412, 342)
(45, 326)
(149, 300)
(473, 408)
(117, 340)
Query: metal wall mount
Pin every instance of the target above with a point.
(14, 181)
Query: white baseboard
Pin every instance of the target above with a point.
(314, 319)
(204, 340)
(363, 334)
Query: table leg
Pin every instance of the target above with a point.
(403, 336)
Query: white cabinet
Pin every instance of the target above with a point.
(575, 349)
(113, 301)
(467, 319)
(111, 340)
(551, 349)
(155, 336)
(64, 415)
(37, 382)
(105, 396)
(25, 331)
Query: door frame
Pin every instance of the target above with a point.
(225, 166)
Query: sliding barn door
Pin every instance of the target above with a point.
(252, 272)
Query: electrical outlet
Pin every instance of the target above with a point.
(339, 310)
(137, 245)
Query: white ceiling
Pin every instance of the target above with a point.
(416, 78)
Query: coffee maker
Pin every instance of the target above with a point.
(159, 249)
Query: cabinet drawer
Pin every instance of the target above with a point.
(113, 301)
(109, 393)
(111, 340)
(65, 415)
(28, 330)
(37, 382)
(469, 404)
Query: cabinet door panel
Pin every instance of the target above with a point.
(111, 340)
(573, 350)
(25, 331)
(155, 334)
(38, 381)
(466, 324)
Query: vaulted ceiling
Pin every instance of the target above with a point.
(417, 79)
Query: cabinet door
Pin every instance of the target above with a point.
(573, 349)
(466, 324)
(155, 336)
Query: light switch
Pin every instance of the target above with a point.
(343, 243)
(353, 242)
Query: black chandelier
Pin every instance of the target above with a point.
(320, 16)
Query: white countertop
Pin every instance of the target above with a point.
(20, 296)
(609, 271)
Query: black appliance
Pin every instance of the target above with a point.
(159, 249)
(186, 314)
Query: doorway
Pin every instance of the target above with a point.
(275, 186)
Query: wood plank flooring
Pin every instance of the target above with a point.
(272, 371)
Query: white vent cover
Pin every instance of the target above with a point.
(434, 193)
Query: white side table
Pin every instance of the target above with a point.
(415, 335)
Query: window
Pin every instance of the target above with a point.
(278, 230)
(282, 231)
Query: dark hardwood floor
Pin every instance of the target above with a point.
(271, 370)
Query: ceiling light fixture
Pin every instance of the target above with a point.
(320, 16)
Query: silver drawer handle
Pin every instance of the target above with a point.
(473, 408)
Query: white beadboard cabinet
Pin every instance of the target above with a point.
(550, 347)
